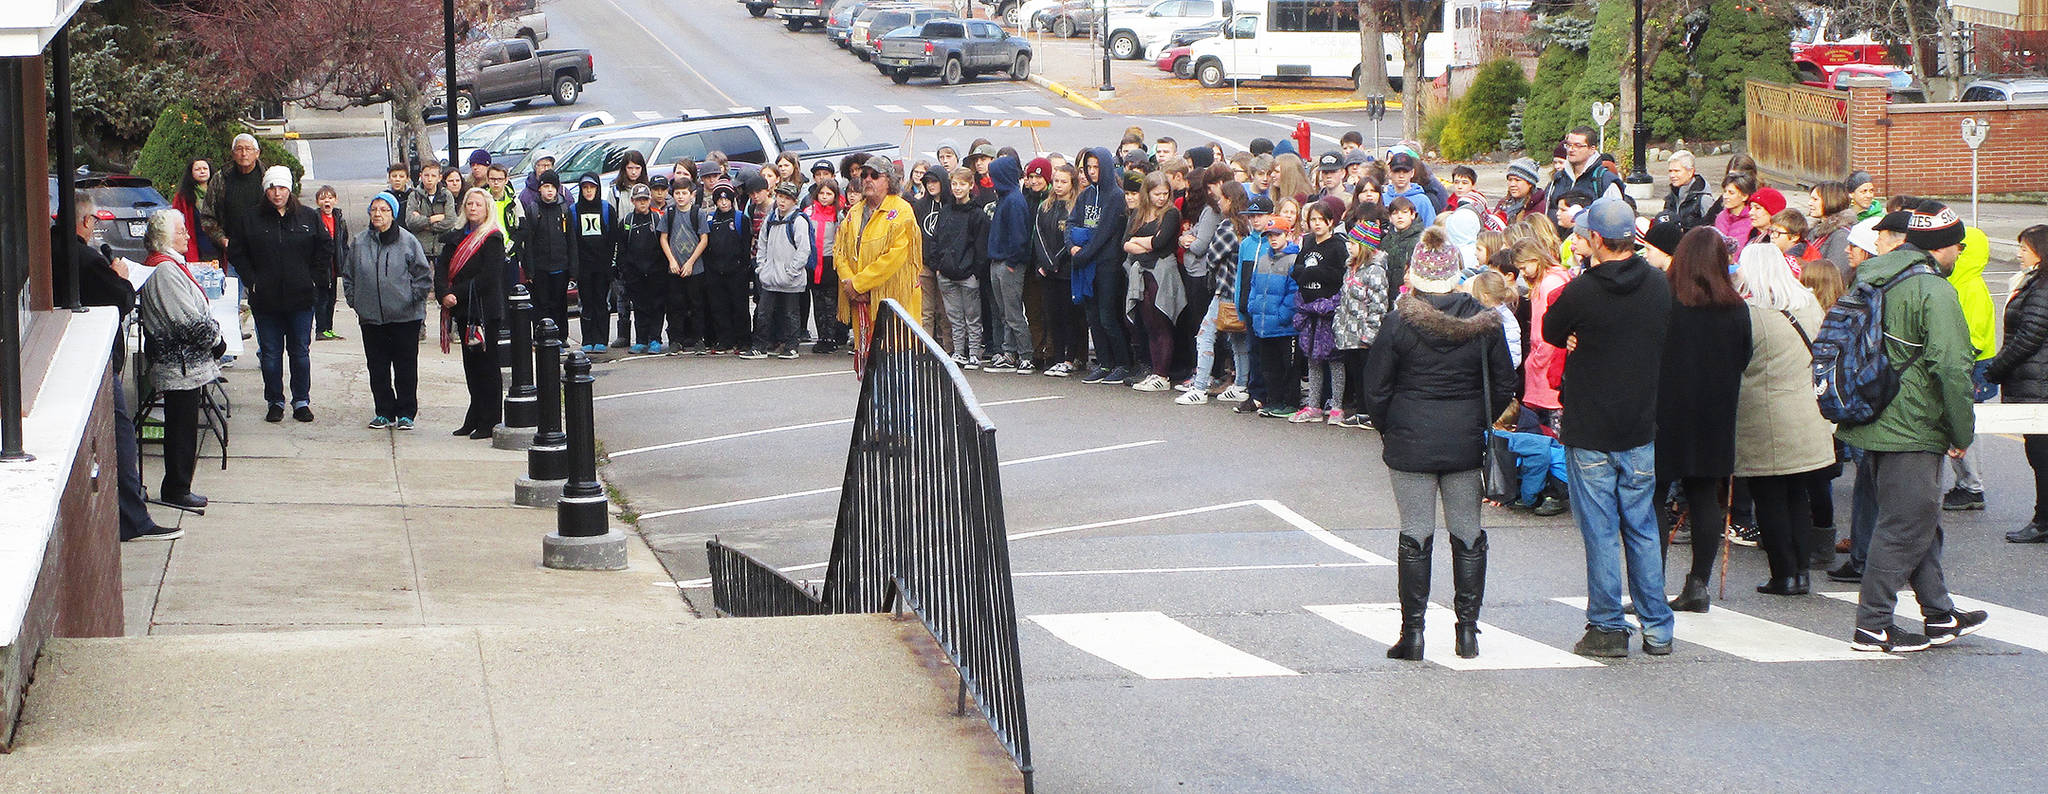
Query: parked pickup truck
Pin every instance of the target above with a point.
(509, 70)
(796, 14)
(953, 50)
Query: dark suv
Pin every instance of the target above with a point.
(122, 205)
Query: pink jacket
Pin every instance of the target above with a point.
(1536, 389)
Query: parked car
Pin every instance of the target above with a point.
(839, 20)
(1030, 14)
(1134, 33)
(798, 14)
(1177, 62)
(1079, 17)
(2007, 89)
(873, 23)
(757, 8)
(1014, 14)
(121, 208)
(510, 70)
(1194, 33)
(750, 137)
(1904, 86)
(952, 50)
(508, 139)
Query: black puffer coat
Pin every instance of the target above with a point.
(1423, 383)
(1705, 351)
(282, 257)
(2021, 368)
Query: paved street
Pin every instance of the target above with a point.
(1206, 598)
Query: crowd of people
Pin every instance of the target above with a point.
(1549, 349)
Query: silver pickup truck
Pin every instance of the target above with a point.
(798, 14)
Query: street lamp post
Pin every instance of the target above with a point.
(448, 81)
(1102, 28)
(1639, 179)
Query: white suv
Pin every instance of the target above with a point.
(1143, 33)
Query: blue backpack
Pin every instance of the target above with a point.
(1853, 377)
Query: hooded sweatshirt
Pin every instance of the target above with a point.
(1399, 245)
(640, 246)
(788, 248)
(1050, 227)
(1425, 211)
(547, 238)
(957, 247)
(1009, 229)
(1097, 222)
(1620, 312)
(597, 238)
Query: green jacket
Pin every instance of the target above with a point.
(1933, 410)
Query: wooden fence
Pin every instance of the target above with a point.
(1796, 133)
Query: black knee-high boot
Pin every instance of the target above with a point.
(1468, 574)
(1413, 570)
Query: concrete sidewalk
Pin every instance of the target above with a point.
(364, 610)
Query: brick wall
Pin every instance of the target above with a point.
(1918, 148)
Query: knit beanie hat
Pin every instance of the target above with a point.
(390, 201)
(1523, 169)
(1434, 270)
(1769, 198)
(1366, 233)
(1039, 167)
(1934, 226)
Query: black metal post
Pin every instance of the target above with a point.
(14, 216)
(581, 512)
(521, 411)
(1640, 153)
(64, 255)
(548, 458)
(1102, 25)
(448, 88)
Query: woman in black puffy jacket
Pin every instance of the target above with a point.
(2021, 368)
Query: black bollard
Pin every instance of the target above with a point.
(547, 460)
(521, 408)
(583, 538)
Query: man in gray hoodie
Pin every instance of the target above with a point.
(387, 280)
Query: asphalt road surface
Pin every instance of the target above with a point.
(1206, 598)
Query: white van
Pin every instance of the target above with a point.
(1294, 39)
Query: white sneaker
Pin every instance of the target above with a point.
(1059, 370)
(1192, 397)
(1234, 394)
(1152, 383)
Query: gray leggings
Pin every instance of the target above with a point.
(1415, 498)
(1325, 392)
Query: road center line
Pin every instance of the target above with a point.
(785, 428)
(695, 386)
(835, 489)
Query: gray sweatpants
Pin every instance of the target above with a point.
(1905, 548)
(1415, 498)
(1013, 331)
(963, 313)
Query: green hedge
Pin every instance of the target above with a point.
(181, 136)
(1548, 114)
(1745, 39)
(1476, 123)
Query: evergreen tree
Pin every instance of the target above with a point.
(1744, 39)
(182, 135)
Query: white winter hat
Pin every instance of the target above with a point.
(277, 176)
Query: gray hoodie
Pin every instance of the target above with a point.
(387, 278)
(787, 250)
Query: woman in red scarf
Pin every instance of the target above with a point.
(469, 283)
(191, 195)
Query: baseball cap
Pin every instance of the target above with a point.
(642, 191)
(1609, 217)
(1864, 235)
(658, 181)
(1894, 222)
(825, 166)
(1401, 161)
(1357, 157)
(1258, 205)
(787, 189)
(987, 150)
(1330, 161)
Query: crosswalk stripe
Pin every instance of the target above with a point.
(842, 108)
(741, 109)
(2006, 624)
(1034, 110)
(1155, 646)
(796, 110)
(988, 109)
(1756, 639)
(891, 109)
(1503, 650)
(695, 112)
(940, 109)
(646, 115)
(1070, 112)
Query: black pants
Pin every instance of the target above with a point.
(778, 320)
(551, 299)
(1278, 370)
(649, 295)
(1783, 516)
(323, 308)
(824, 300)
(1106, 316)
(486, 385)
(393, 353)
(135, 518)
(2037, 458)
(1354, 380)
(181, 442)
(1199, 290)
(594, 288)
(1703, 505)
(725, 305)
(684, 302)
(1066, 331)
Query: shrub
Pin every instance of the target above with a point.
(1479, 119)
(181, 136)
(1548, 114)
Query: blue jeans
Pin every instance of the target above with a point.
(1614, 501)
(1205, 351)
(276, 334)
(1538, 458)
(1862, 510)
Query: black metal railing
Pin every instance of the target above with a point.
(920, 525)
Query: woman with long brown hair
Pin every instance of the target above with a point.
(1706, 348)
(1154, 296)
